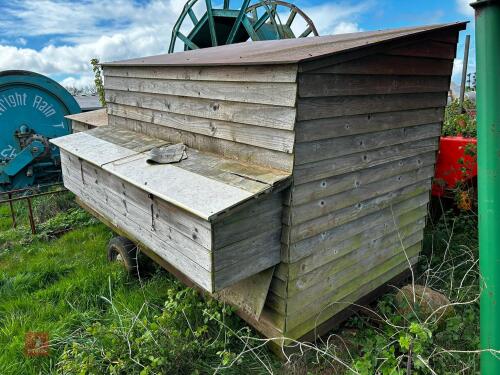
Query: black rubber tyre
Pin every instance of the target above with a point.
(121, 249)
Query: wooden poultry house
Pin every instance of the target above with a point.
(308, 170)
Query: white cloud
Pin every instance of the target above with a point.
(337, 18)
(115, 30)
(52, 59)
(74, 21)
(330, 18)
(457, 70)
(464, 7)
(458, 65)
(346, 27)
(110, 30)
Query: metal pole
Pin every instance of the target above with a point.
(464, 72)
(15, 199)
(12, 213)
(32, 219)
(488, 119)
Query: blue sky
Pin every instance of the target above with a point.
(59, 37)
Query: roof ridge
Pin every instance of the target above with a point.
(285, 51)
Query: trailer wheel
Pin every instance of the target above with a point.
(121, 249)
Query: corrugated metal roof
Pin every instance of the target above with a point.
(285, 51)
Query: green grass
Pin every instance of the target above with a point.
(65, 286)
(57, 287)
(101, 320)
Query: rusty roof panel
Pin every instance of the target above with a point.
(286, 51)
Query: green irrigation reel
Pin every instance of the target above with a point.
(264, 20)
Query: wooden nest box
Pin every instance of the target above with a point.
(308, 170)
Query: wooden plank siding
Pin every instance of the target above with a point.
(357, 196)
(333, 127)
(382, 64)
(232, 150)
(189, 243)
(232, 111)
(430, 48)
(353, 133)
(354, 162)
(269, 138)
(243, 92)
(88, 120)
(266, 115)
(350, 293)
(323, 107)
(274, 73)
(310, 228)
(77, 126)
(313, 287)
(310, 152)
(366, 137)
(317, 84)
(447, 37)
(349, 236)
(325, 274)
(307, 192)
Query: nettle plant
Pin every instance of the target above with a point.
(398, 338)
(429, 327)
(188, 335)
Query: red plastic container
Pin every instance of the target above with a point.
(456, 162)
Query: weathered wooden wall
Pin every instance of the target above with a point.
(212, 254)
(88, 120)
(366, 136)
(243, 113)
(358, 129)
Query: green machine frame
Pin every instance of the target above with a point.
(259, 21)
